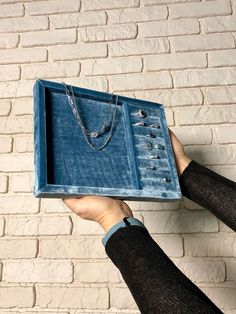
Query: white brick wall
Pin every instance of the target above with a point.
(180, 53)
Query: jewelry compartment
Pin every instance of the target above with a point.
(65, 165)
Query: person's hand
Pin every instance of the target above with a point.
(104, 210)
(181, 159)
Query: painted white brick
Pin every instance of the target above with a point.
(222, 58)
(22, 182)
(205, 77)
(72, 297)
(81, 51)
(96, 272)
(200, 9)
(93, 5)
(16, 89)
(16, 297)
(106, 33)
(169, 117)
(3, 184)
(122, 298)
(139, 47)
(219, 24)
(193, 135)
(228, 171)
(5, 144)
(175, 61)
(78, 19)
(169, 28)
(11, 10)
(19, 205)
(37, 271)
(16, 248)
(9, 73)
(23, 24)
(50, 205)
(72, 248)
(52, 7)
(172, 222)
(10, 125)
(16, 163)
(202, 42)
(153, 2)
(2, 224)
(205, 115)
(231, 269)
(225, 134)
(221, 95)
(190, 204)
(223, 297)
(141, 81)
(137, 15)
(171, 245)
(48, 38)
(5, 107)
(97, 83)
(82, 226)
(38, 226)
(22, 55)
(112, 66)
(215, 245)
(24, 143)
(8, 41)
(22, 106)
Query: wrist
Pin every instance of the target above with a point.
(183, 164)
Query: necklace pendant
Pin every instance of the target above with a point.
(94, 134)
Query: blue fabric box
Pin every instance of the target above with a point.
(65, 165)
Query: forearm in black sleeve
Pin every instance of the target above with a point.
(210, 190)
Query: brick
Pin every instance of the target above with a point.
(96, 83)
(225, 134)
(72, 248)
(22, 55)
(206, 77)
(228, 171)
(24, 143)
(222, 58)
(231, 266)
(93, 5)
(141, 81)
(19, 205)
(38, 226)
(22, 106)
(175, 61)
(169, 28)
(37, 271)
(171, 245)
(78, 19)
(11, 125)
(219, 24)
(52, 7)
(16, 163)
(112, 66)
(212, 154)
(81, 51)
(169, 117)
(48, 38)
(221, 95)
(5, 107)
(137, 15)
(193, 135)
(22, 182)
(11, 10)
(200, 9)
(171, 222)
(139, 47)
(9, 73)
(223, 297)
(2, 224)
(190, 204)
(9, 41)
(5, 144)
(16, 89)
(122, 298)
(16, 248)
(83, 227)
(153, 2)
(51, 70)
(72, 297)
(107, 33)
(152, 206)
(205, 115)
(96, 272)
(23, 24)
(3, 184)
(53, 206)
(16, 297)
(215, 245)
(225, 228)
(202, 42)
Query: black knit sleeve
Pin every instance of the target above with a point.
(210, 190)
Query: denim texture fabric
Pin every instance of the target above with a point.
(66, 165)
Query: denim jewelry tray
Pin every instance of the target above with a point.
(137, 163)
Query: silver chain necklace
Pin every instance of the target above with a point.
(106, 125)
